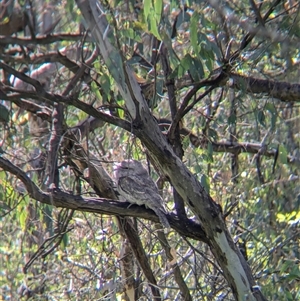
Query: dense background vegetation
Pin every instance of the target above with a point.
(221, 79)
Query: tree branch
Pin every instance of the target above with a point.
(42, 40)
(282, 90)
(61, 199)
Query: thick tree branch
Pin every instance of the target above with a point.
(174, 132)
(141, 255)
(16, 95)
(282, 90)
(38, 58)
(42, 40)
(226, 146)
(61, 199)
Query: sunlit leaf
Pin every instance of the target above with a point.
(283, 154)
(194, 32)
(271, 108)
(158, 7)
(231, 119)
(4, 114)
(154, 28)
(204, 180)
(22, 219)
(105, 83)
(147, 7)
(65, 241)
(212, 134)
(261, 118)
(95, 90)
(196, 69)
(209, 153)
(185, 142)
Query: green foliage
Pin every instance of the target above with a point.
(152, 14)
(260, 194)
(282, 154)
(4, 114)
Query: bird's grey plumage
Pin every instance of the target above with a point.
(135, 184)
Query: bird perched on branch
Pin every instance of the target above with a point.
(137, 187)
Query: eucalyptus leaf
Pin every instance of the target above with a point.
(4, 114)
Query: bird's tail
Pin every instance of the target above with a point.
(162, 218)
